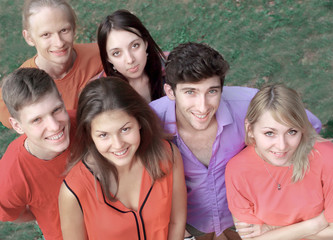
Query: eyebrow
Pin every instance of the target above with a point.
(106, 131)
(136, 39)
(193, 88)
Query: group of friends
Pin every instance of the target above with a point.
(119, 141)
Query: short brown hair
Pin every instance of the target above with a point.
(192, 62)
(26, 86)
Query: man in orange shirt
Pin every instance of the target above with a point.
(49, 26)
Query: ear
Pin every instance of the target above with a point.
(16, 125)
(28, 38)
(248, 129)
(169, 92)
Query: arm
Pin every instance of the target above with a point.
(325, 234)
(179, 196)
(71, 216)
(295, 231)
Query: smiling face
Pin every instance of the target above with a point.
(51, 32)
(116, 136)
(274, 142)
(46, 124)
(127, 52)
(196, 103)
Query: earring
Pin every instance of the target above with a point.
(147, 54)
(114, 69)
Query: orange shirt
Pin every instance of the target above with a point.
(253, 196)
(112, 220)
(87, 64)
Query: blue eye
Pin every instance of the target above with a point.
(292, 132)
(269, 134)
(102, 135)
(126, 129)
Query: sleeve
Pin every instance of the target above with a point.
(239, 205)
(14, 193)
(12, 204)
(326, 154)
(316, 123)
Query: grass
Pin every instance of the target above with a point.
(286, 41)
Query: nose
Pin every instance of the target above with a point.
(58, 41)
(117, 142)
(202, 104)
(129, 57)
(53, 124)
(281, 142)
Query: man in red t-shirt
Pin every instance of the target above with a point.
(32, 168)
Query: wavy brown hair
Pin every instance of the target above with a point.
(108, 94)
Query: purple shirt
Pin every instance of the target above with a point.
(207, 208)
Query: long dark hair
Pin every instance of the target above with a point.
(124, 20)
(113, 93)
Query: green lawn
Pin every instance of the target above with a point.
(286, 41)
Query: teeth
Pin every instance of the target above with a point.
(120, 153)
(56, 137)
(277, 153)
(200, 116)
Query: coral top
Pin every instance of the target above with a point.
(112, 220)
(253, 196)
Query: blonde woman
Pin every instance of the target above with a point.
(280, 186)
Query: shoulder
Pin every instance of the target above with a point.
(163, 102)
(14, 150)
(236, 93)
(84, 47)
(323, 150)
(30, 63)
(242, 160)
(162, 106)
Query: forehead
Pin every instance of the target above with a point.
(121, 38)
(270, 120)
(111, 120)
(203, 85)
(45, 18)
(41, 107)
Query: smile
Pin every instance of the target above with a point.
(56, 137)
(200, 116)
(279, 154)
(120, 153)
(60, 52)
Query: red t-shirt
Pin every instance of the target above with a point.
(27, 180)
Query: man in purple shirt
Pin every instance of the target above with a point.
(207, 121)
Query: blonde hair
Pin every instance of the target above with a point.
(33, 6)
(287, 108)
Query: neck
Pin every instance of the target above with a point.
(36, 153)
(56, 71)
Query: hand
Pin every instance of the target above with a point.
(246, 230)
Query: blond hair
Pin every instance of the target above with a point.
(33, 6)
(287, 108)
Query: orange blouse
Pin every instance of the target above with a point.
(112, 220)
